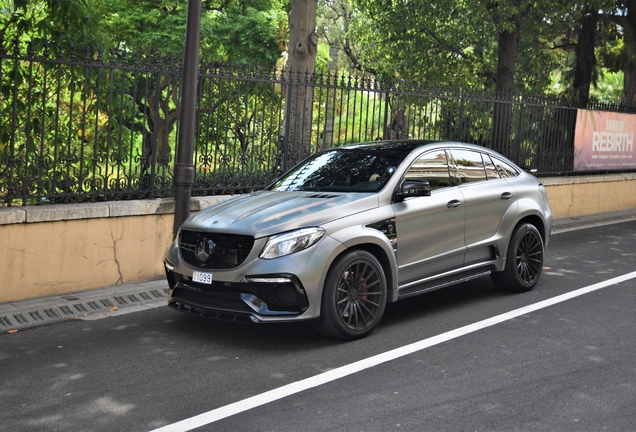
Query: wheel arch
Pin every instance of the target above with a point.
(538, 224)
(377, 244)
(387, 266)
(530, 211)
(530, 217)
(522, 267)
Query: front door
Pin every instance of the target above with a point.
(430, 229)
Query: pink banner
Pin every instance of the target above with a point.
(604, 141)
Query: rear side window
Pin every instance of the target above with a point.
(470, 166)
(491, 169)
(505, 169)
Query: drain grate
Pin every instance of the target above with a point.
(87, 305)
(590, 221)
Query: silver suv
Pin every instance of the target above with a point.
(350, 229)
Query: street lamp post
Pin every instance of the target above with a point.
(183, 167)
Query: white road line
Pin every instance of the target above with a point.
(343, 371)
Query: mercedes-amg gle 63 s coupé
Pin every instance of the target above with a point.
(351, 229)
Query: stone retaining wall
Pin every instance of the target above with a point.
(66, 248)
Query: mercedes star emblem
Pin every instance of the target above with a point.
(205, 248)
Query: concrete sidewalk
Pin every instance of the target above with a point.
(122, 299)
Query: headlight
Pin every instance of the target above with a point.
(288, 243)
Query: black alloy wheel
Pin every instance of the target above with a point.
(529, 257)
(524, 263)
(354, 296)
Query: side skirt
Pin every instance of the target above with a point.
(446, 279)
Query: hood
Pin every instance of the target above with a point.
(265, 213)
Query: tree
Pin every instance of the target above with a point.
(74, 21)
(241, 32)
(301, 52)
(585, 55)
(334, 22)
(591, 43)
(425, 41)
(507, 18)
(138, 102)
(231, 30)
(624, 16)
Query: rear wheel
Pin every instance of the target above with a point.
(354, 296)
(524, 262)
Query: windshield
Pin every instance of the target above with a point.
(364, 169)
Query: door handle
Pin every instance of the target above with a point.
(454, 204)
(506, 196)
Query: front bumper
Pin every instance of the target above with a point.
(284, 289)
(267, 298)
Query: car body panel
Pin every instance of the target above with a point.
(459, 232)
(265, 213)
(485, 207)
(427, 234)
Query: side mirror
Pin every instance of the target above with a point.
(414, 188)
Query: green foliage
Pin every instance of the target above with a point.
(239, 31)
(92, 127)
(240, 147)
(246, 35)
(353, 117)
(426, 41)
(148, 25)
(608, 88)
(72, 21)
(455, 43)
(77, 129)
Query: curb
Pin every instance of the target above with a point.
(89, 305)
(581, 222)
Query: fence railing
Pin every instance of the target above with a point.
(82, 125)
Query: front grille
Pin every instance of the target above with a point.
(229, 250)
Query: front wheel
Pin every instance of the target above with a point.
(524, 261)
(354, 296)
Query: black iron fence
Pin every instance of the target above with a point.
(84, 125)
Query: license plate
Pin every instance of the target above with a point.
(201, 277)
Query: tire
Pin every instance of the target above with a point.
(354, 296)
(524, 260)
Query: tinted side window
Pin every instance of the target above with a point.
(491, 169)
(470, 166)
(433, 168)
(505, 169)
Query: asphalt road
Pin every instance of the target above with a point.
(567, 366)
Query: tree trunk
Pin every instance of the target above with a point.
(508, 42)
(327, 130)
(629, 69)
(301, 66)
(585, 57)
(629, 87)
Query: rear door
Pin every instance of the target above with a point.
(487, 197)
